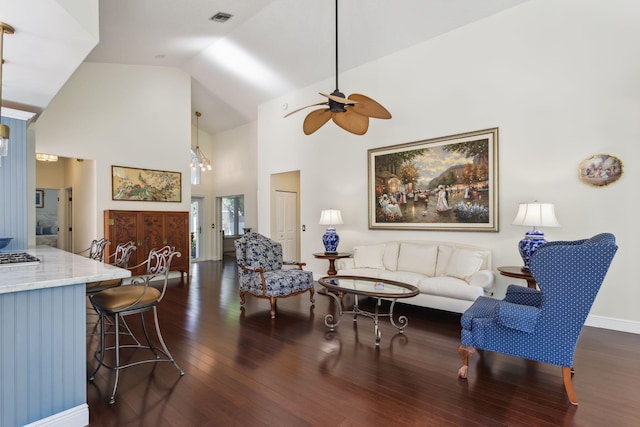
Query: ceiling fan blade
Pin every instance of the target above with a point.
(315, 120)
(368, 107)
(352, 122)
(339, 99)
(302, 108)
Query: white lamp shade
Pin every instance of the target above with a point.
(537, 215)
(330, 217)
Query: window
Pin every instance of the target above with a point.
(233, 216)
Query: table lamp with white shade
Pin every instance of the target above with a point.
(330, 238)
(534, 214)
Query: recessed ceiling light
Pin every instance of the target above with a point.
(221, 17)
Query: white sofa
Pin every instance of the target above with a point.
(450, 276)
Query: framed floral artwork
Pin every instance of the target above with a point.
(145, 184)
(445, 183)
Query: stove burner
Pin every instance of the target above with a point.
(12, 258)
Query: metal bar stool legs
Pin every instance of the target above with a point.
(117, 366)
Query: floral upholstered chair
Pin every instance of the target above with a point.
(261, 274)
(542, 325)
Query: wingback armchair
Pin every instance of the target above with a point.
(261, 274)
(542, 325)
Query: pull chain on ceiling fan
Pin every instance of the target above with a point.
(351, 113)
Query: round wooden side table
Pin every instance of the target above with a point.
(519, 273)
(332, 260)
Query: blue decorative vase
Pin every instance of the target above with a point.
(533, 239)
(330, 239)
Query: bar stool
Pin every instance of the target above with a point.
(137, 298)
(120, 259)
(96, 249)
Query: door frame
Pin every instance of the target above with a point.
(67, 226)
(202, 240)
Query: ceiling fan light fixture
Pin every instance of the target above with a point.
(351, 113)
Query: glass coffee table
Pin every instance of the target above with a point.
(338, 286)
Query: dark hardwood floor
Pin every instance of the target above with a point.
(244, 369)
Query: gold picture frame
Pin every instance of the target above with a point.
(148, 185)
(446, 183)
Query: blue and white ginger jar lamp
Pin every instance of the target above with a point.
(537, 215)
(330, 238)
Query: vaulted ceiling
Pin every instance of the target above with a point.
(266, 49)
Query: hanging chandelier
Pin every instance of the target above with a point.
(199, 159)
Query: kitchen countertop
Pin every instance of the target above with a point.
(56, 268)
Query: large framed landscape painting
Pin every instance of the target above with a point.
(447, 183)
(145, 184)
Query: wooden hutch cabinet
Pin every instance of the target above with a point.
(149, 230)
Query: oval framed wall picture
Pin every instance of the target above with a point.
(600, 170)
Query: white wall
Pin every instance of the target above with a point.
(205, 190)
(119, 115)
(559, 79)
(234, 162)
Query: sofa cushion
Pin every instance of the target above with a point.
(464, 262)
(444, 255)
(449, 287)
(364, 272)
(402, 276)
(390, 257)
(369, 256)
(418, 258)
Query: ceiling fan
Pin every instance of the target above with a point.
(351, 113)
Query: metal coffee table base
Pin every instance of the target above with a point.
(375, 315)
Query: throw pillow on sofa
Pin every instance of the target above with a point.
(444, 255)
(368, 256)
(464, 262)
(417, 258)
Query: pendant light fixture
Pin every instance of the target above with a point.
(46, 157)
(4, 129)
(200, 160)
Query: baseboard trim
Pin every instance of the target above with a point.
(613, 324)
(74, 417)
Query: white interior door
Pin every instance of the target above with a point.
(287, 224)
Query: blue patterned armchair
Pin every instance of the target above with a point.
(261, 274)
(542, 325)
